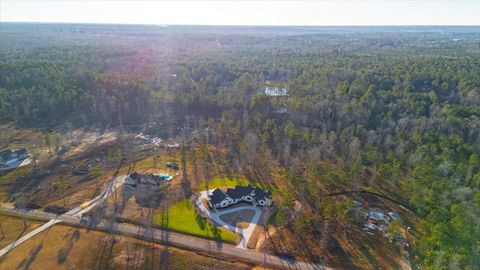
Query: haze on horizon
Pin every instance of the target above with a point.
(359, 12)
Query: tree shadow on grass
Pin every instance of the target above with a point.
(217, 234)
(25, 264)
(210, 228)
(200, 221)
(65, 250)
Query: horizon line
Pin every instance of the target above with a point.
(246, 25)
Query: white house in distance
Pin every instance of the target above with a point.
(253, 195)
(275, 91)
(11, 159)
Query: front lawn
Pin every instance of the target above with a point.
(182, 217)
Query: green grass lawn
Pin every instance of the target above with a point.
(226, 182)
(182, 217)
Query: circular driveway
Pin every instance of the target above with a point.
(215, 215)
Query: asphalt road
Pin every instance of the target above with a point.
(172, 239)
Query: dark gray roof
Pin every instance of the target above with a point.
(239, 191)
(135, 176)
(233, 193)
(217, 196)
(260, 194)
(146, 177)
(22, 151)
(5, 154)
(244, 190)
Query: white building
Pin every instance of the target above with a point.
(275, 91)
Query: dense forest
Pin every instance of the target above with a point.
(393, 110)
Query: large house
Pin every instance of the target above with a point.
(148, 181)
(9, 157)
(253, 195)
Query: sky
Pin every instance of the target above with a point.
(245, 12)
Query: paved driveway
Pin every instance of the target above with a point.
(216, 217)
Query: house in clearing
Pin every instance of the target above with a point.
(9, 157)
(253, 195)
(148, 181)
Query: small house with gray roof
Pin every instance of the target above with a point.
(8, 157)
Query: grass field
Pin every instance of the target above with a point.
(226, 182)
(12, 228)
(63, 247)
(182, 217)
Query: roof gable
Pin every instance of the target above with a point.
(244, 190)
(217, 196)
(233, 193)
(22, 151)
(5, 154)
(260, 193)
(135, 176)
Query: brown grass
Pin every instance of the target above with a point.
(64, 247)
(13, 229)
